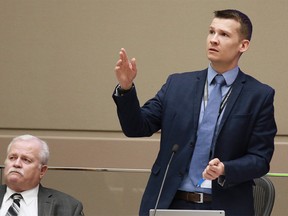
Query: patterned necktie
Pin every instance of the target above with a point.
(15, 207)
(205, 133)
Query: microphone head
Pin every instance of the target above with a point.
(175, 148)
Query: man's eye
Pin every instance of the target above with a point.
(12, 158)
(26, 160)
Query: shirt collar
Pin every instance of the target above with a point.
(229, 75)
(28, 195)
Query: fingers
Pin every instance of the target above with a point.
(210, 173)
(119, 63)
(214, 169)
(214, 162)
(123, 60)
(133, 64)
(125, 70)
(123, 55)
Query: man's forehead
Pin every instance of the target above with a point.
(227, 25)
(224, 22)
(25, 146)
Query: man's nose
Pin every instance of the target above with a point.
(17, 162)
(214, 39)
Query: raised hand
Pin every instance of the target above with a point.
(125, 70)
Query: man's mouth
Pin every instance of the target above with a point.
(16, 171)
(213, 50)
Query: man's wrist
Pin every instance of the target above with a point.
(122, 91)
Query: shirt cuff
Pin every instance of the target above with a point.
(221, 180)
(120, 92)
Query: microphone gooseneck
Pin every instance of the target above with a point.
(174, 150)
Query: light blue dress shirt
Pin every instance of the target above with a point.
(229, 77)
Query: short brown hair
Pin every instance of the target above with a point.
(245, 23)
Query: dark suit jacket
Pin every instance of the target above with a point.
(245, 143)
(53, 203)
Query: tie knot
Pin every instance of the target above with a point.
(219, 79)
(16, 196)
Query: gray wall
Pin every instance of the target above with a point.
(57, 61)
(58, 57)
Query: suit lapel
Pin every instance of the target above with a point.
(195, 91)
(2, 193)
(200, 83)
(45, 202)
(237, 87)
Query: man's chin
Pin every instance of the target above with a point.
(212, 58)
(14, 177)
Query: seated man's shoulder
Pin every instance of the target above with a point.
(53, 193)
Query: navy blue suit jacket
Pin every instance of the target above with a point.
(245, 143)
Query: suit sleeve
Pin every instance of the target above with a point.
(79, 210)
(137, 121)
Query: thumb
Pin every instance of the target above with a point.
(214, 162)
(133, 64)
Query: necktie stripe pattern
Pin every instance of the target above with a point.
(206, 131)
(15, 207)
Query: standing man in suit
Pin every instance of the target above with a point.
(242, 144)
(25, 166)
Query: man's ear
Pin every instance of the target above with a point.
(43, 170)
(244, 45)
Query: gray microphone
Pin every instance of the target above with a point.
(174, 150)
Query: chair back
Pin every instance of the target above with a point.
(264, 196)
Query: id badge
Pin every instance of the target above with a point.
(206, 184)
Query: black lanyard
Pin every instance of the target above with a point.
(223, 102)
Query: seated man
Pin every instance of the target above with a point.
(22, 194)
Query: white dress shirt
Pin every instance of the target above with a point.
(28, 205)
